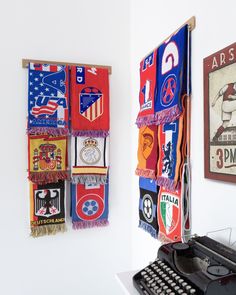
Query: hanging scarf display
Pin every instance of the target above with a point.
(48, 99)
(89, 101)
(47, 158)
(90, 159)
(148, 204)
(47, 208)
(148, 76)
(89, 205)
(147, 152)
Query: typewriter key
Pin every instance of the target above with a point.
(180, 281)
(188, 288)
(176, 288)
(184, 284)
(180, 291)
(192, 291)
(143, 273)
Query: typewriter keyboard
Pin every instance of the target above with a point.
(158, 278)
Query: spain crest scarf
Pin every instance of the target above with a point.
(47, 208)
(90, 159)
(89, 205)
(148, 83)
(148, 204)
(147, 152)
(47, 158)
(48, 102)
(89, 101)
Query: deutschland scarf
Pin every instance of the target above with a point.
(89, 101)
(48, 99)
(47, 208)
(47, 158)
(148, 204)
(90, 159)
(147, 152)
(89, 205)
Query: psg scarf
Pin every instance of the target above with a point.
(89, 205)
(47, 208)
(48, 101)
(147, 152)
(148, 204)
(148, 81)
(89, 101)
(90, 159)
(47, 158)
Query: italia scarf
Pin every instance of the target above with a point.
(48, 102)
(47, 158)
(89, 101)
(89, 205)
(148, 204)
(147, 152)
(90, 159)
(47, 208)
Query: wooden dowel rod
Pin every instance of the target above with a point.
(25, 64)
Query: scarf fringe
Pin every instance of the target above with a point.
(48, 177)
(145, 120)
(148, 228)
(89, 224)
(147, 173)
(169, 184)
(90, 133)
(89, 179)
(49, 229)
(48, 130)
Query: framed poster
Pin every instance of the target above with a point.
(220, 114)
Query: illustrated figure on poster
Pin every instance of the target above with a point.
(227, 108)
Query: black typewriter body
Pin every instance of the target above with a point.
(201, 266)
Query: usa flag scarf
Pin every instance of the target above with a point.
(90, 159)
(47, 160)
(48, 103)
(148, 206)
(89, 205)
(89, 101)
(47, 208)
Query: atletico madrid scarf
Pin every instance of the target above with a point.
(90, 159)
(47, 208)
(89, 101)
(47, 158)
(147, 152)
(89, 205)
(48, 101)
(148, 204)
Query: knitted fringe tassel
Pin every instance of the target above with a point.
(89, 224)
(145, 120)
(48, 130)
(91, 179)
(90, 133)
(169, 184)
(148, 228)
(147, 173)
(48, 177)
(49, 229)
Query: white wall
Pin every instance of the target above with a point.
(77, 262)
(213, 203)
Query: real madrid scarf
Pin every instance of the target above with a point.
(89, 101)
(89, 205)
(47, 208)
(48, 99)
(47, 158)
(90, 159)
(148, 204)
(147, 152)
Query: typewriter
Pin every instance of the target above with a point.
(200, 266)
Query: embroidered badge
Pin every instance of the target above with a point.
(90, 153)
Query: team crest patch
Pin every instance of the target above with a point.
(168, 90)
(90, 153)
(147, 142)
(47, 202)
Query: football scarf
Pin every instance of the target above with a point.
(148, 204)
(147, 152)
(47, 208)
(47, 158)
(48, 99)
(172, 76)
(89, 205)
(89, 101)
(148, 67)
(90, 159)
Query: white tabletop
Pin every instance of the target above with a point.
(125, 280)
